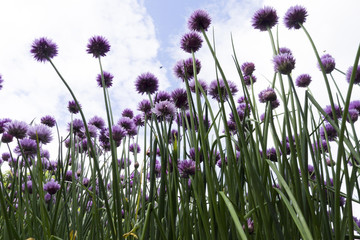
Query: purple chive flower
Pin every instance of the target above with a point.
(5, 156)
(179, 98)
(127, 113)
(191, 42)
(357, 75)
(248, 68)
(52, 187)
(48, 121)
(17, 129)
(43, 49)
(274, 104)
(202, 83)
(250, 225)
(199, 20)
(320, 146)
(69, 176)
(328, 62)
(214, 90)
(138, 120)
(40, 132)
(283, 50)
(134, 148)
(98, 46)
(271, 154)
(3, 123)
(108, 78)
(126, 123)
(353, 115)
(145, 107)
(329, 131)
(267, 95)
(118, 133)
(97, 122)
(303, 80)
(77, 125)
(28, 186)
(124, 162)
(355, 105)
(6, 138)
(73, 107)
(147, 83)
(284, 63)
(328, 111)
(184, 68)
(1, 82)
(186, 168)
(295, 16)
(92, 130)
(162, 96)
(265, 18)
(28, 146)
(248, 79)
(165, 110)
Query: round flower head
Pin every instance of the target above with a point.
(283, 50)
(328, 111)
(3, 123)
(303, 80)
(248, 68)
(127, 113)
(328, 131)
(265, 18)
(126, 123)
(77, 124)
(7, 138)
(357, 75)
(248, 79)
(284, 63)
(73, 107)
(165, 110)
(52, 187)
(214, 90)
(275, 104)
(179, 97)
(48, 121)
(191, 42)
(97, 122)
(98, 46)
(199, 20)
(118, 133)
(1, 82)
(108, 77)
(162, 96)
(295, 16)
(328, 62)
(267, 95)
(147, 83)
(187, 168)
(353, 115)
(355, 105)
(40, 132)
(202, 83)
(145, 107)
(134, 147)
(184, 68)
(139, 120)
(43, 49)
(17, 129)
(28, 147)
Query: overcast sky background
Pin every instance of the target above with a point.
(145, 36)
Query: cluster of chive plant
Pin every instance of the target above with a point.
(202, 170)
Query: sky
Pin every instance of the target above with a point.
(145, 37)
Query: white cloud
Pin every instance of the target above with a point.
(32, 89)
